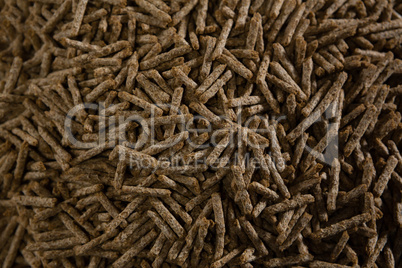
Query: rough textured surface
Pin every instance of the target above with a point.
(198, 133)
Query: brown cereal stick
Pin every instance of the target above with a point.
(73, 228)
(220, 225)
(199, 242)
(242, 14)
(277, 177)
(296, 230)
(280, 52)
(57, 16)
(135, 249)
(219, 83)
(325, 102)
(13, 75)
(225, 259)
(15, 244)
(20, 165)
(341, 226)
(368, 116)
(149, 107)
(184, 11)
(164, 57)
(158, 245)
(154, 11)
(79, 16)
(220, 44)
(293, 22)
(210, 43)
(178, 73)
(35, 201)
(228, 59)
(382, 240)
(289, 260)
(295, 216)
(242, 197)
(132, 71)
(286, 205)
(167, 216)
(340, 245)
(165, 229)
(265, 191)
(334, 185)
(382, 181)
(253, 236)
(253, 34)
(286, 10)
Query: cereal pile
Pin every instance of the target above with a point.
(196, 133)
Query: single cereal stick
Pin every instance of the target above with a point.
(265, 191)
(73, 228)
(242, 197)
(306, 76)
(225, 259)
(231, 61)
(140, 102)
(178, 73)
(210, 43)
(154, 11)
(135, 249)
(176, 100)
(15, 245)
(164, 57)
(286, 10)
(276, 150)
(272, 102)
(252, 34)
(296, 230)
(57, 16)
(35, 201)
(292, 24)
(132, 71)
(295, 216)
(286, 205)
(199, 241)
(220, 45)
(167, 216)
(300, 53)
(242, 14)
(20, 166)
(280, 52)
(13, 75)
(277, 177)
(382, 240)
(212, 77)
(184, 11)
(341, 226)
(325, 102)
(263, 69)
(220, 225)
(219, 83)
(334, 185)
(382, 181)
(340, 245)
(253, 236)
(158, 245)
(79, 16)
(165, 229)
(368, 116)
(154, 91)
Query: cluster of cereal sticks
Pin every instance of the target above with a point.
(197, 133)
